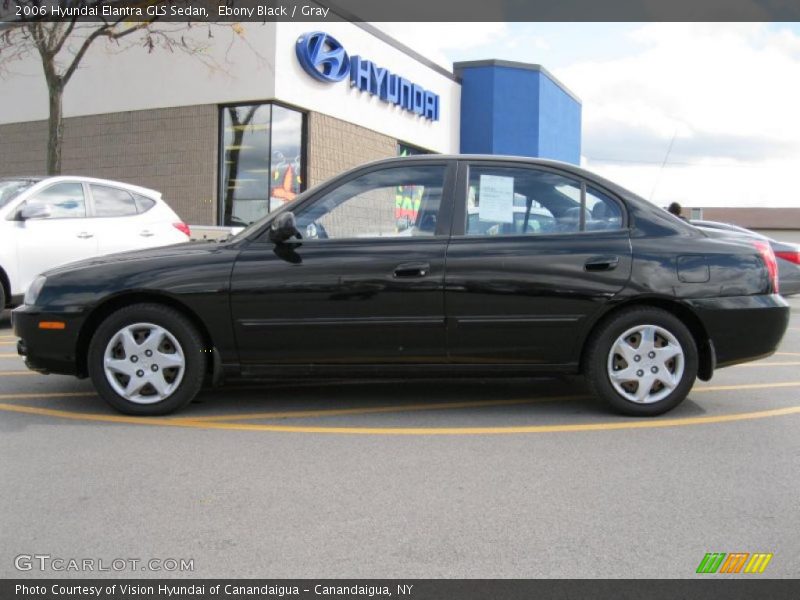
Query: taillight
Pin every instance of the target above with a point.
(789, 255)
(183, 228)
(765, 250)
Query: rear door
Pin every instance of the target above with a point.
(117, 221)
(535, 253)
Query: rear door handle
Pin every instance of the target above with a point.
(412, 270)
(601, 263)
(84, 235)
(146, 233)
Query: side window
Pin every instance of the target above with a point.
(528, 201)
(393, 202)
(521, 201)
(604, 213)
(143, 203)
(112, 202)
(62, 201)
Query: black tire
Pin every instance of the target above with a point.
(2, 298)
(596, 365)
(177, 325)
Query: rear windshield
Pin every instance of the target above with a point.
(11, 188)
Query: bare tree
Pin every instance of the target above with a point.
(62, 45)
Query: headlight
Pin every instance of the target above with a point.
(33, 290)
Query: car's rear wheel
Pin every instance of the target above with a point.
(642, 362)
(146, 359)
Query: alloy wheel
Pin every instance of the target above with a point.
(645, 364)
(144, 363)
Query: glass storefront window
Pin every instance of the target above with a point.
(261, 156)
(287, 157)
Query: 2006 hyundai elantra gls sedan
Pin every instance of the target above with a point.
(423, 266)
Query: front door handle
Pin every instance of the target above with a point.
(412, 270)
(85, 235)
(601, 263)
(146, 233)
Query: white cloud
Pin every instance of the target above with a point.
(728, 93)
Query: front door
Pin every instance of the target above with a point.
(64, 235)
(534, 255)
(364, 285)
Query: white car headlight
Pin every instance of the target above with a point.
(33, 290)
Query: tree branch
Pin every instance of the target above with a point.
(66, 35)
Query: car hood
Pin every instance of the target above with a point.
(148, 254)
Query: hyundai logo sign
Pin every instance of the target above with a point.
(322, 56)
(325, 59)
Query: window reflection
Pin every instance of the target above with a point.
(287, 127)
(261, 160)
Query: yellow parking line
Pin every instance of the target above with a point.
(786, 354)
(46, 395)
(744, 386)
(335, 412)
(770, 364)
(17, 373)
(410, 431)
(14, 355)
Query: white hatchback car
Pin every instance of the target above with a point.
(46, 222)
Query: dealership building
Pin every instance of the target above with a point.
(230, 134)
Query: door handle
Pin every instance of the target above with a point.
(146, 233)
(601, 263)
(412, 270)
(84, 235)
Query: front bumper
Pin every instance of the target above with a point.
(743, 328)
(47, 350)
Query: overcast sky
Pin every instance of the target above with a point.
(725, 97)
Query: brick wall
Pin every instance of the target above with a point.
(172, 150)
(335, 146)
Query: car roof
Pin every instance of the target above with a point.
(83, 179)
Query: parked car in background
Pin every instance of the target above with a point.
(786, 253)
(334, 284)
(46, 222)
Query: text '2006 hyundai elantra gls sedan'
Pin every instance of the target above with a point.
(423, 266)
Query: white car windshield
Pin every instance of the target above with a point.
(11, 188)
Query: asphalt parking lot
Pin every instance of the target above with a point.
(476, 479)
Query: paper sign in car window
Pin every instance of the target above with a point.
(496, 199)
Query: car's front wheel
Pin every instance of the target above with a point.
(146, 359)
(642, 362)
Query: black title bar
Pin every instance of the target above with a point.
(401, 10)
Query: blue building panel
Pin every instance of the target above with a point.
(518, 109)
(477, 108)
(559, 122)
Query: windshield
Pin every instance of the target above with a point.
(11, 188)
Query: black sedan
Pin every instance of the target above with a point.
(423, 266)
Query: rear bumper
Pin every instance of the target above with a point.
(47, 350)
(743, 328)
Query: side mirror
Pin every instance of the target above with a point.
(283, 228)
(33, 212)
